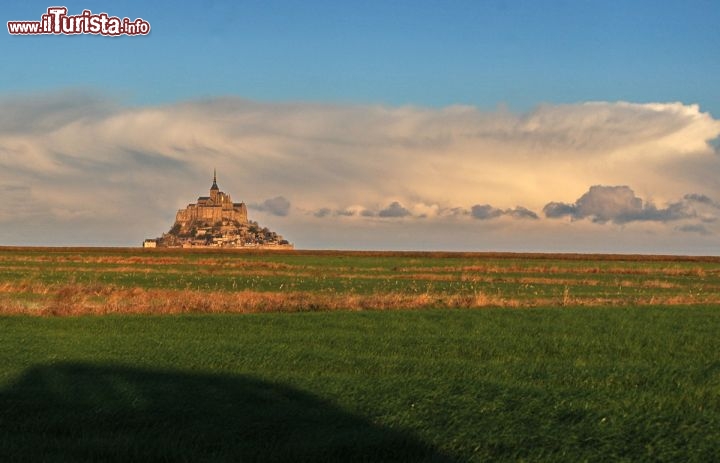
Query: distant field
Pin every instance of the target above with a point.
(78, 281)
(570, 358)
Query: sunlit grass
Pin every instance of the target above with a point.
(327, 280)
(493, 357)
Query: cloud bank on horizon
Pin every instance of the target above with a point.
(604, 176)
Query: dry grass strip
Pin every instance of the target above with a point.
(71, 300)
(76, 299)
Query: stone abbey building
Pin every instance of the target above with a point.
(214, 208)
(216, 221)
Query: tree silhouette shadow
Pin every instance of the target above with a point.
(86, 412)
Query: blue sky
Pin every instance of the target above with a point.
(582, 126)
(427, 53)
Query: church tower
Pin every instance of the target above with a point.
(214, 190)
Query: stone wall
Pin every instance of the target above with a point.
(225, 212)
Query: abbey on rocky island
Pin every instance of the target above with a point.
(216, 221)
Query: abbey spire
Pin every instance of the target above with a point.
(214, 190)
(214, 185)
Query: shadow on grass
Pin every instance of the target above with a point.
(82, 412)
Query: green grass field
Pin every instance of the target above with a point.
(76, 281)
(563, 358)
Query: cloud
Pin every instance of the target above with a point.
(278, 206)
(453, 212)
(715, 143)
(701, 199)
(39, 114)
(694, 228)
(324, 212)
(420, 210)
(555, 210)
(17, 203)
(350, 211)
(85, 160)
(486, 212)
(395, 209)
(617, 204)
(522, 213)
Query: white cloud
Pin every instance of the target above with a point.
(87, 160)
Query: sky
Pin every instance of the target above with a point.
(558, 126)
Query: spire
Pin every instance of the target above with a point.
(214, 185)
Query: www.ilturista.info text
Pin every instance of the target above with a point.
(57, 21)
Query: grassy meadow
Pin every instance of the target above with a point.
(564, 358)
(83, 281)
